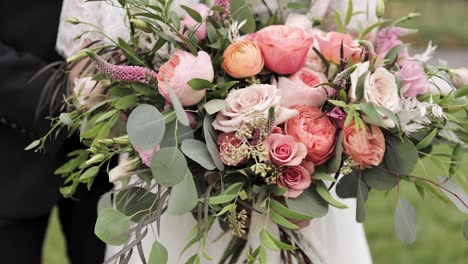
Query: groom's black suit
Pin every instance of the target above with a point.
(28, 188)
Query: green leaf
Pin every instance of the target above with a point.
(129, 52)
(286, 212)
(461, 92)
(297, 6)
(340, 27)
(184, 196)
(349, 13)
(450, 185)
(199, 84)
(111, 225)
(89, 173)
(215, 105)
(180, 112)
(192, 13)
(379, 179)
(106, 115)
(66, 119)
(426, 141)
(208, 132)
(323, 176)
(335, 161)
(158, 254)
(390, 114)
(145, 127)
(465, 229)
(400, 156)
(361, 200)
(370, 111)
(135, 202)
(347, 186)
(183, 133)
(198, 152)
(241, 12)
(405, 221)
(323, 192)
(169, 166)
(265, 239)
(282, 221)
(211, 33)
(221, 199)
(393, 53)
(309, 203)
(456, 159)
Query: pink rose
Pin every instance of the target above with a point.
(299, 88)
(230, 149)
(284, 48)
(296, 179)
(388, 38)
(365, 147)
(283, 150)
(244, 104)
(189, 22)
(315, 129)
(330, 47)
(414, 79)
(147, 155)
(180, 69)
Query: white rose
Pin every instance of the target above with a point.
(244, 104)
(380, 88)
(88, 91)
(460, 77)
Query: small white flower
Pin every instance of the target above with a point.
(427, 54)
(123, 170)
(234, 30)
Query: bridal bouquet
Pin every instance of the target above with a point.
(253, 124)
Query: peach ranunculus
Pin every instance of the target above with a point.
(365, 147)
(189, 22)
(230, 149)
(299, 88)
(315, 129)
(180, 69)
(283, 150)
(330, 47)
(244, 104)
(414, 79)
(242, 59)
(296, 179)
(284, 48)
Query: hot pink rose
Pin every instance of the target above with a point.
(299, 88)
(365, 147)
(283, 150)
(146, 155)
(315, 129)
(414, 79)
(189, 22)
(330, 47)
(230, 149)
(296, 179)
(284, 48)
(388, 38)
(180, 69)
(244, 104)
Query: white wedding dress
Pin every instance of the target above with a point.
(333, 239)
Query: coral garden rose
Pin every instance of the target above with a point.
(296, 179)
(365, 147)
(88, 91)
(414, 79)
(284, 48)
(180, 69)
(146, 156)
(283, 150)
(244, 104)
(330, 47)
(460, 77)
(189, 22)
(230, 149)
(315, 129)
(299, 88)
(242, 59)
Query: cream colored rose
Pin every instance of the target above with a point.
(380, 88)
(460, 77)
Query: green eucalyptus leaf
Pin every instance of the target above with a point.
(198, 152)
(461, 198)
(280, 220)
(183, 133)
(401, 156)
(286, 212)
(180, 112)
(214, 106)
(335, 161)
(184, 196)
(361, 201)
(405, 221)
(360, 87)
(323, 176)
(309, 203)
(208, 132)
(347, 186)
(426, 141)
(111, 225)
(169, 166)
(323, 192)
(371, 112)
(135, 202)
(158, 254)
(145, 127)
(379, 179)
(192, 13)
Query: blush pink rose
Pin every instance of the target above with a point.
(299, 88)
(284, 48)
(296, 179)
(330, 47)
(189, 22)
(365, 147)
(146, 155)
(414, 79)
(283, 150)
(244, 104)
(315, 129)
(180, 69)
(229, 149)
